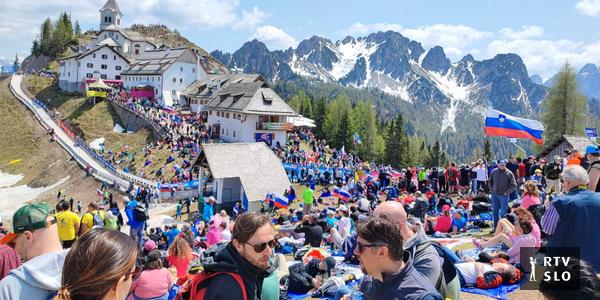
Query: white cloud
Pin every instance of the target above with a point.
(526, 32)
(545, 57)
(250, 19)
(274, 38)
(588, 7)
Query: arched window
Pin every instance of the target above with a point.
(110, 19)
(105, 19)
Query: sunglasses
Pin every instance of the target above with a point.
(258, 248)
(361, 247)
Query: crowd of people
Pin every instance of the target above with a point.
(356, 230)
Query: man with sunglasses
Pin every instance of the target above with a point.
(35, 239)
(248, 255)
(390, 271)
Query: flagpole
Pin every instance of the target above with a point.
(514, 142)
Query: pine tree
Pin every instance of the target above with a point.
(435, 155)
(35, 48)
(487, 150)
(564, 109)
(46, 36)
(390, 144)
(344, 133)
(77, 29)
(319, 111)
(16, 64)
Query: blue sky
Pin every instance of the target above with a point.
(544, 33)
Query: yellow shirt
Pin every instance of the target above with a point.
(88, 219)
(66, 222)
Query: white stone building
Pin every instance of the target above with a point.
(246, 110)
(164, 72)
(103, 61)
(110, 53)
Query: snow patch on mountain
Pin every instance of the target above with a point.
(390, 85)
(348, 53)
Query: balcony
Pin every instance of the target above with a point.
(274, 126)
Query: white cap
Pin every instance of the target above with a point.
(343, 208)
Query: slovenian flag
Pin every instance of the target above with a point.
(279, 200)
(342, 194)
(498, 123)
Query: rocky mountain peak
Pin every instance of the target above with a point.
(436, 61)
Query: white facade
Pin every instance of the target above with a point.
(103, 63)
(132, 48)
(242, 128)
(169, 85)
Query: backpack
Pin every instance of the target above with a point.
(448, 269)
(98, 221)
(140, 214)
(195, 288)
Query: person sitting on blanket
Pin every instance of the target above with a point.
(443, 223)
(523, 238)
(459, 221)
(486, 276)
(304, 278)
(506, 226)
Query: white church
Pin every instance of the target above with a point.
(110, 53)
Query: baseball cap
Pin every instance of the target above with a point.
(542, 161)
(538, 171)
(343, 208)
(592, 149)
(446, 207)
(29, 218)
(504, 161)
(150, 245)
(557, 157)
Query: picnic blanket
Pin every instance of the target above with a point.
(500, 292)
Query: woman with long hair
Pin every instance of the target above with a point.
(522, 238)
(100, 265)
(154, 282)
(531, 195)
(506, 227)
(180, 256)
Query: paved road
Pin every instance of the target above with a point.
(80, 155)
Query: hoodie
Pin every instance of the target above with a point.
(37, 279)
(131, 215)
(425, 259)
(224, 287)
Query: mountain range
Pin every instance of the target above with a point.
(443, 100)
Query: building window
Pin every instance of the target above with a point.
(173, 92)
(117, 77)
(227, 115)
(174, 80)
(137, 51)
(118, 68)
(147, 78)
(193, 70)
(94, 55)
(103, 67)
(90, 65)
(234, 133)
(210, 112)
(104, 56)
(69, 74)
(180, 80)
(227, 131)
(158, 78)
(180, 69)
(89, 75)
(109, 19)
(105, 19)
(222, 130)
(103, 76)
(114, 57)
(117, 37)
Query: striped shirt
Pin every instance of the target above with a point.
(550, 220)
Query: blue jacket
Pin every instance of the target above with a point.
(408, 284)
(130, 216)
(578, 224)
(208, 212)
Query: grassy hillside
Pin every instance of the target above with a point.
(96, 121)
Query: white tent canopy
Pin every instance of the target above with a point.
(301, 121)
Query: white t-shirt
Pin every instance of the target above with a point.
(469, 272)
(481, 173)
(226, 235)
(344, 226)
